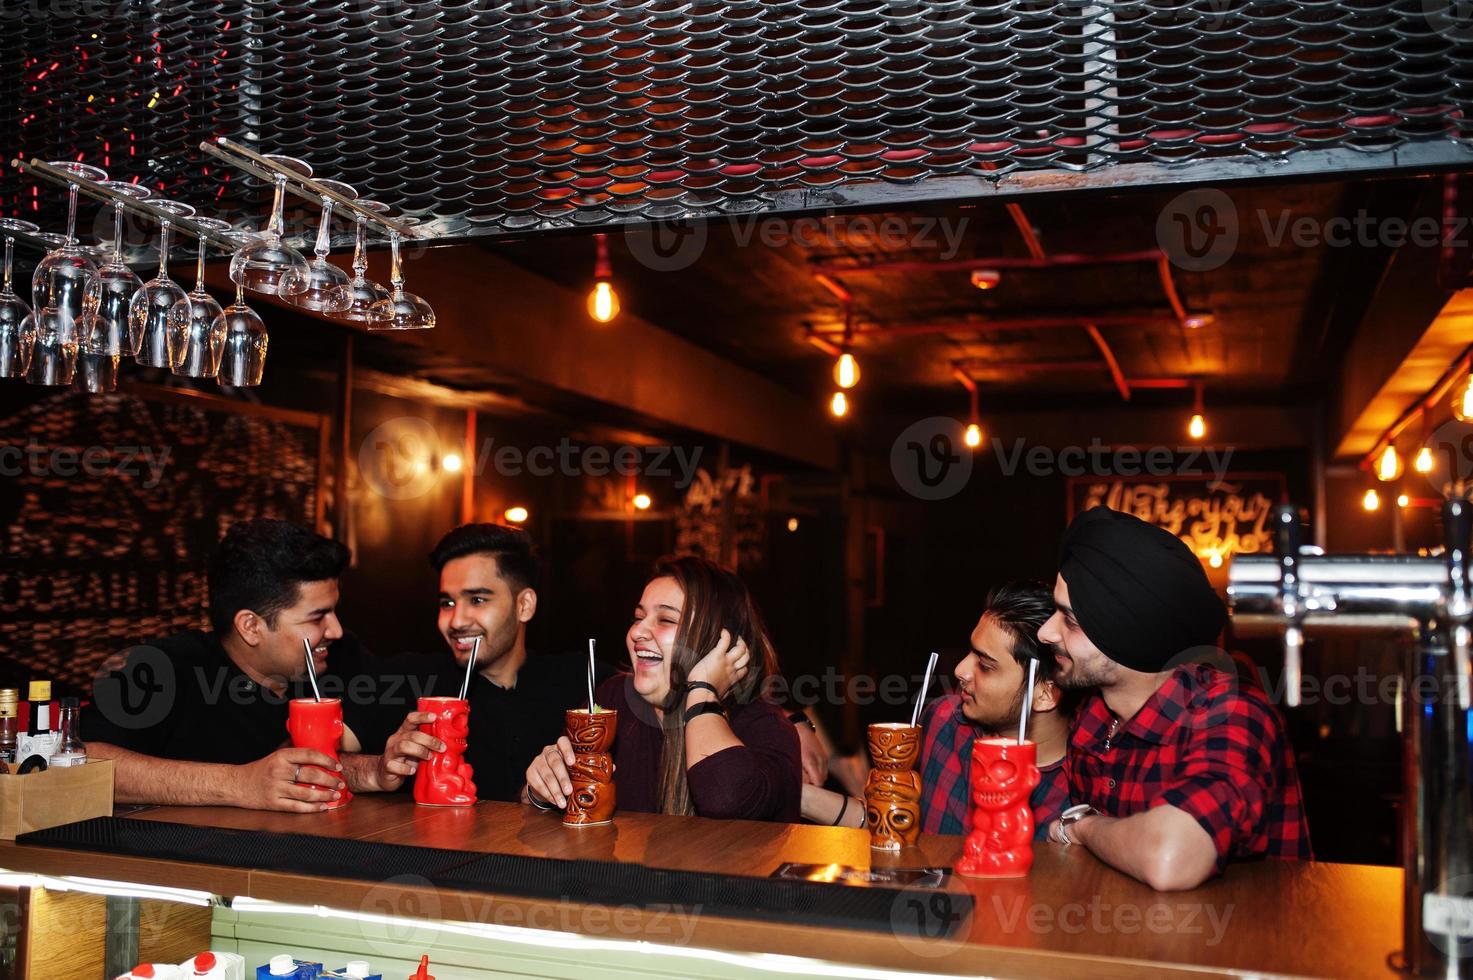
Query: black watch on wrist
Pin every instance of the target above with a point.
(704, 708)
(800, 717)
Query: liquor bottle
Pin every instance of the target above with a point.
(69, 750)
(9, 709)
(40, 740)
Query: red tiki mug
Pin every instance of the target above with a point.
(592, 801)
(318, 725)
(1004, 773)
(446, 779)
(892, 795)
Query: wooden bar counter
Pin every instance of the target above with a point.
(1072, 916)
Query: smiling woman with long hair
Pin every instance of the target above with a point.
(694, 735)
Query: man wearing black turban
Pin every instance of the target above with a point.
(1175, 770)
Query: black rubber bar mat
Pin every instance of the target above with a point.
(905, 912)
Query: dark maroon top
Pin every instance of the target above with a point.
(761, 779)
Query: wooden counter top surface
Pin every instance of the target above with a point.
(1071, 915)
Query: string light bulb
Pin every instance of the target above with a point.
(1388, 464)
(1463, 401)
(451, 463)
(839, 405)
(1372, 500)
(1423, 462)
(1197, 424)
(973, 436)
(1403, 500)
(516, 515)
(642, 501)
(603, 301)
(846, 371)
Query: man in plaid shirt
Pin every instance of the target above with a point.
(989, 700)
(1184, 771)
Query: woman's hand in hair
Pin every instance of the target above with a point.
(726, 664)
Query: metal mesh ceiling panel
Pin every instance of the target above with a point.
(494, 117)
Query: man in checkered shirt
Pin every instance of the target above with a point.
(1186, 770)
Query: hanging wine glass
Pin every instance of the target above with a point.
(64, 285)
(269, 265)
(244, 356)
(148, 313)
(17, 327)
(400, 310)
(363, 291)
(327, 286)
(97, 361)
(196, 328)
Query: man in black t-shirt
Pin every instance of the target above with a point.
(488, 589)
(200, 718)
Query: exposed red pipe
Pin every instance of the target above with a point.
(983, 326)
(983, 364)
(1116, 374)
(834, 286)
(998, 262)
(1025, 228)
(1163, 265)
(1143, 383)
(827, 346)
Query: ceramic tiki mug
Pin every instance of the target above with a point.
(892, 796)
(1000, 845)
(592, 774)
(446, 779)
(314, 724)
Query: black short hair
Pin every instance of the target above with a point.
(512, 548)
(1020, 608)
(261, 564)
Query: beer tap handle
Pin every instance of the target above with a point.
(1457, 533)
(1288, 536)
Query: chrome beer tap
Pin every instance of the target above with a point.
(1288, 536)
(1457, 533)
(1430, 600)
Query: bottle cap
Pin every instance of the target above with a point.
(40, 691)
(142, 970)
(282, 965)
(204, 962)
(357, 968)
(70, 702)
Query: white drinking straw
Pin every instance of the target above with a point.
(311, 670)
(915, 713)
(590, 674)
(1027, 700)
(470, 665)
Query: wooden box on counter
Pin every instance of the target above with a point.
(52, 797)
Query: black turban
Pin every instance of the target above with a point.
(1138, 592)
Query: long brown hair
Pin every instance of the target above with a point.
(715, 599)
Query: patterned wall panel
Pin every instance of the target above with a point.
(507, 116)
(109, 508)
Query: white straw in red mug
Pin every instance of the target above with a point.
(311, 669)
(470, 665)
(915, 713)
(590, 675)
(1027, 700)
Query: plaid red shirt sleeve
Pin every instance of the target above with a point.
(946, 763)
(1202, 744)
(946, 773)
